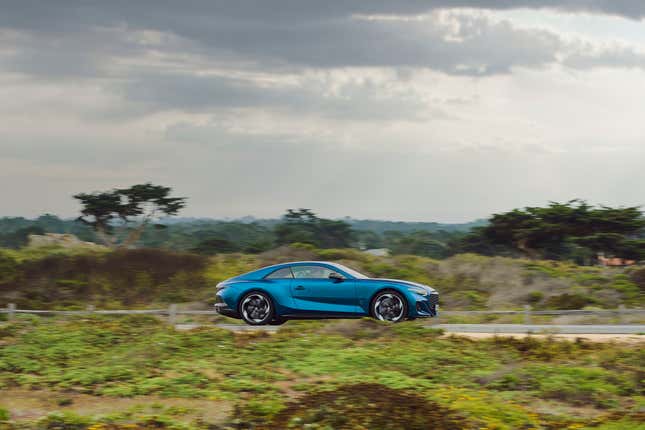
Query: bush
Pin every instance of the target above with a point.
(638, 277)
(569, 301)
(535, 297)
(8, 267)
(127, 276)
(64, 421)
(369, 406)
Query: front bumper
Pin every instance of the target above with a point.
(222, 308)
(427, 306)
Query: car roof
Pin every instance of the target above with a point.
(261, 273)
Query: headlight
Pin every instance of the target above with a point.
(418, 290)
(220, 286)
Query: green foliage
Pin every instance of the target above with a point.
(569, 301)
(137, 205)
(64, 421)
(19, 238)
(637, 276)
(59, 277)
(303, 226)
(381, 407)
(535, 297)
(8, 267)
(358, 372)
(122, 278)
(572, 230)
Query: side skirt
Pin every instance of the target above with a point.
(313, 316)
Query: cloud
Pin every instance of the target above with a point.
(326, 95)
(109, 39)
(192, 17)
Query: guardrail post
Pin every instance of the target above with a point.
(621, 312)
(11, 311)
(172, 314)
(90, 309)
(527, 314)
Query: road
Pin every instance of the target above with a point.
(479, 328)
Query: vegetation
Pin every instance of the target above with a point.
(303, 226)
(313, 375)
(72, 278)
(135, 373)
(563, 231)
(573, 231)
(131, 209)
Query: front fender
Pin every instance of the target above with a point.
(411, 298)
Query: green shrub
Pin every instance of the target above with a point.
(8, 267)
(535, 297)
(569, 301)
(64, 421)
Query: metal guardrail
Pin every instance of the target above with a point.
(172, 312)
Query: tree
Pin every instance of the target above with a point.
(20, 237)
(573, 230)
(215, 245)
(304, 226)
(120, 216)
(420, 242)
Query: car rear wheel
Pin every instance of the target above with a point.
(389, 306)
(256, 308)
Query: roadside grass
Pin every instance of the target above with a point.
(307, 373)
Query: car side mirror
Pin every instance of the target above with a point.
(336, 276)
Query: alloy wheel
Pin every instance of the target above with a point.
(255, 308)
(389, 307)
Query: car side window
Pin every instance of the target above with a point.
(284, 273)
(311, 272)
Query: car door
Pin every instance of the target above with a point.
(313, 291)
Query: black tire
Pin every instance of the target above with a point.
(389, 305)
(256, 308)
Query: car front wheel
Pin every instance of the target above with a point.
(389, 306)
(256, 308)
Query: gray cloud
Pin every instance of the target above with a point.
(358, 100)
(193, 17)
(88, 38)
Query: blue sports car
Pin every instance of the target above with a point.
(317, 289)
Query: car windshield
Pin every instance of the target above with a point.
(351, 272)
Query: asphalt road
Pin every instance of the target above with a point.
(479, 328)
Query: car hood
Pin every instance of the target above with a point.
(402, 282)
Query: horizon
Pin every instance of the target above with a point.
(181, 218)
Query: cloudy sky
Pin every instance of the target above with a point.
(431, 110)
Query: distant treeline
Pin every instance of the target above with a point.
(573, 231)
(248, 235)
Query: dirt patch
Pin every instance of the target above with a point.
(30, 405)
(600, 338)
(370, 406)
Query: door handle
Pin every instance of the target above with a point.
(299, 287)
